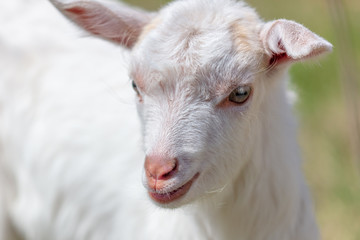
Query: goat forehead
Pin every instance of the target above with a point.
(189, 38)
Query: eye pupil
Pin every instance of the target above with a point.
(134, 85)
(240, 94)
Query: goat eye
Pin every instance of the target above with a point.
(134, 86)
(240, 94)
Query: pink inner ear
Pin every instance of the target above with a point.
(119, 24)
(279, 58)
(107, 26)
(76, 10)
(85, 18)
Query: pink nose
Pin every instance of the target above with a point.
(159, 169)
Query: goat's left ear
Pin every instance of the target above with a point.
(286, 41)
(113, 21)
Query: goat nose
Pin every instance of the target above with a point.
(160, 168)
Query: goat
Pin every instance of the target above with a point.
(215, 134)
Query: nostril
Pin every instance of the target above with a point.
(171, 172)
(160, 168)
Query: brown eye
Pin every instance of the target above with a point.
(240, 94)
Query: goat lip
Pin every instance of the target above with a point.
(168, 197)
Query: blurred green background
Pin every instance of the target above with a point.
(328, 107)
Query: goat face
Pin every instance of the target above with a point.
(197, 97)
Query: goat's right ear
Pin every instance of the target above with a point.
(109, 20)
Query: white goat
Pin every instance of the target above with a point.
(218, 134)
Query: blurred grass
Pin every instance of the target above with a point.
(325, 115)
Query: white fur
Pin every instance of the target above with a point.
(71, 153)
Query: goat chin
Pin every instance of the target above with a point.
(209, 114)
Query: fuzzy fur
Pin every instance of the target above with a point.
(72, 146)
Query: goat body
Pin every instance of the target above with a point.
(216, 130)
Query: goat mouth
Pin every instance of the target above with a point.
(168, 197)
